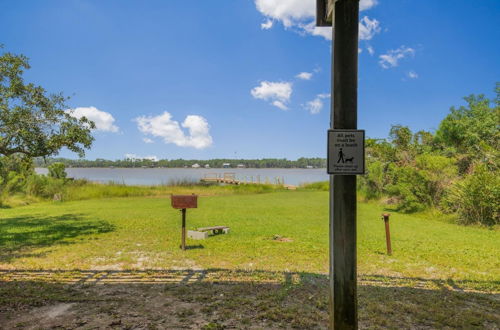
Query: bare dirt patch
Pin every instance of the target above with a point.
(228, 299)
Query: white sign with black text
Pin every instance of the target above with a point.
(346, 151)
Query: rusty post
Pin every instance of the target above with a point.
(385, 216)
(183, 242)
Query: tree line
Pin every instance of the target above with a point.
(179, 163)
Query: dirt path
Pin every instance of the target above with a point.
(224, 299)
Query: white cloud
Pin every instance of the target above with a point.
(277, 92)
(304, 75)
(163, 126)
(288, 12)
(370, 50)
(299, 14)
(412, 75)
(368, 28)
(367, 4)
(104, 121)
(393, 56)
(280, 105)
(315, 106)
(134, 157)
(147, 140)
(267, 24)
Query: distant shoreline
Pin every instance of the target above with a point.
(158, 175)
(193, 168)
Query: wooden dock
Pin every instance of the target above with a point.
(230, 178)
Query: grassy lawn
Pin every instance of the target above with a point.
(117, 250)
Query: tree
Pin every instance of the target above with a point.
(32, 122)
(401, 136)
(473, 130)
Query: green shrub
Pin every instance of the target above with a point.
(476, 197)
(409, 188)
(438, 172)
(373, 182)
(44, 186)
(57, 171)
(35, 185)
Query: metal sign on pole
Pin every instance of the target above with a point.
(346, 151)
(344, 14)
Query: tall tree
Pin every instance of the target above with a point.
(467, 127)
(473, 130)
(33, 122)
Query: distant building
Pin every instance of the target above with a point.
(240, 166)
(207, 166)
(226, 165)
(309, 166)
(196, 166)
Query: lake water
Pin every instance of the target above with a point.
(158, 176)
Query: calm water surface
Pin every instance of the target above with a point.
(157, 176)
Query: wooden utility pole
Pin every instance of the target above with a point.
(343, 270)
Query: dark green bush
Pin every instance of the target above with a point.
(373, 182)
(57, 171)
(408, 187)
(476, 198)
(438, 172)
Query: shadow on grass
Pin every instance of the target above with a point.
(220, 298)
(21, 235)
(194, 247)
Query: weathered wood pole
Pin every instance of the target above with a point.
(183, 242)
(385, 216)
(343, 273)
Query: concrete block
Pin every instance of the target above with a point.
(193, 234)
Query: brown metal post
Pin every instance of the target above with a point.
(387, 233)
(183, 242)
(343, 260)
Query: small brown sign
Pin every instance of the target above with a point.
(184, 201)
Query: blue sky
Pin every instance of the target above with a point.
(243, 78)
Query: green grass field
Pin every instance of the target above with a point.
(440, 274)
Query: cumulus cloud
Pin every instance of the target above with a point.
(288, 12)
(299, 15)
(104, 121)
(315, 106)
(134, 157)
(280, 105)
(170, 131)
(147, 140)
(367, 4)
(412, 75)
(304, 75)
(278, 93)
(393, 56)
(368, 28)
(267, 25)
(370, 50)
